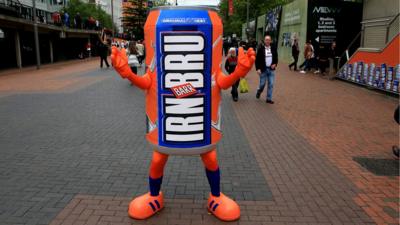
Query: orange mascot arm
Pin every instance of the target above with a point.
(120, 63)
(244, 64)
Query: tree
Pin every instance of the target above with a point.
(134, 17)
(88, 9)
(233, 23)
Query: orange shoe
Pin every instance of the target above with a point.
(223, 207)
(145, 206)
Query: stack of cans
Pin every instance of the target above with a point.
(396, 79)
(389, 78)
(365, 74)
(349, 68)
(376, 77)
(359, 72)
(371, 74)
(354, 72)
(382, 79)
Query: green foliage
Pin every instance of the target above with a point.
(86, 10)
(161, 3)
(233, 23)
(134, 18)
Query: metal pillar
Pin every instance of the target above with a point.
(18, 49)
(35, 32)
(51, 51)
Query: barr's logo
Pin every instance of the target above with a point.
(183, 65)
(183, 90)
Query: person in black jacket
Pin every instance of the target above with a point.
(266, 62)
(295, 54)
(103, 52)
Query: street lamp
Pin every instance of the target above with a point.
(36, 36)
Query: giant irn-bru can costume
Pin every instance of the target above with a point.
(183, 83)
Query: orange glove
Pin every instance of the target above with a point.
(120, 63)
(245, 62)
(244, 65)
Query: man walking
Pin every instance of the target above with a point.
(266, 62)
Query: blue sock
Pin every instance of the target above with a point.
(155, 186)
(213, 179)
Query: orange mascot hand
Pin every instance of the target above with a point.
(244, 64)
(120, 63)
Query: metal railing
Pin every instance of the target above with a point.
(388, 25)
(350, 50)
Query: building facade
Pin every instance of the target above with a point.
(114, 6)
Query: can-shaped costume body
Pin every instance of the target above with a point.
(183, 53)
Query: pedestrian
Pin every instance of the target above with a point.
(66, 19)
(321, 62)
(332, 57)
(295, 54)
(308, 53)
(133, 57)
(141, 51)
(266, 62)
(78, 21)
(103, 54)
(230, 65)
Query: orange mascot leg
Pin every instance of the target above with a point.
(218, 204)
(150, 203)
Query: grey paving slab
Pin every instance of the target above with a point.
(91, 141)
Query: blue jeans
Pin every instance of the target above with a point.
(267, 75)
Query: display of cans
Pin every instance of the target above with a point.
(389, 78)
(383, 77)
(365, 74)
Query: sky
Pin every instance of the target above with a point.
(196, 2)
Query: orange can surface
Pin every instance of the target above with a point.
(183, 49)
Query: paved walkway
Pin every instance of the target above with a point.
(73, 152)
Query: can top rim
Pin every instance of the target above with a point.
(200, 7)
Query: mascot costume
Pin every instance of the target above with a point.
(183, 85)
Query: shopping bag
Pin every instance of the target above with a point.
(243, 86)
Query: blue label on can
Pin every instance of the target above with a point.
(184, 50)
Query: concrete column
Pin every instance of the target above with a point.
(18, 49)
(51, 51)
